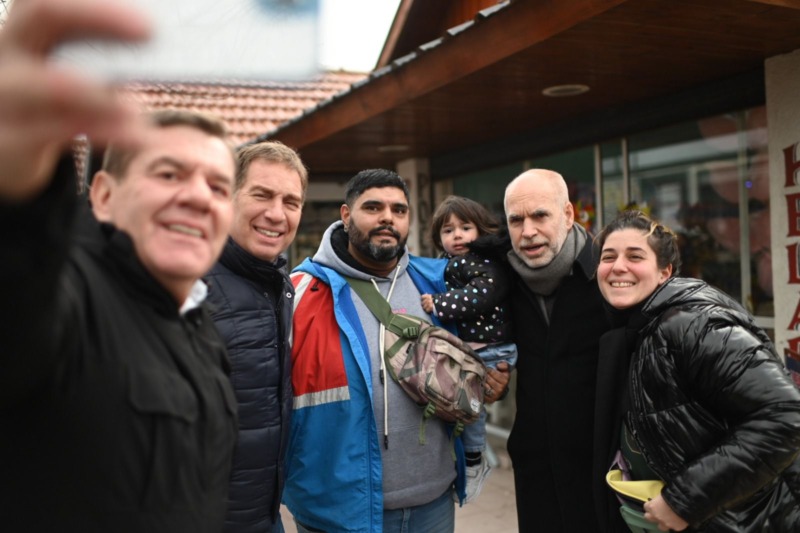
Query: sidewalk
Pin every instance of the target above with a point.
(495, 510)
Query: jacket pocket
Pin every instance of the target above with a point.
(160, 393)
(163, 446)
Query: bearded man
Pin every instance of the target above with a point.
(355, 461)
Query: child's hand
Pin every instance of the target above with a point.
(427, 303)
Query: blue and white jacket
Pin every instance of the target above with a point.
(334, 463)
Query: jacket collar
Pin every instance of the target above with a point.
(677, 291)
(117, 246)
(244, 264)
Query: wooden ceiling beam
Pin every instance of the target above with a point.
(501, 35)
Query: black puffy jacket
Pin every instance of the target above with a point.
(477, 290)
(252, 308)
(715, 412)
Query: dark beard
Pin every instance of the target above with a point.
(376, 252)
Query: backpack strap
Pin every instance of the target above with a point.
(402, 326)
(378, 306)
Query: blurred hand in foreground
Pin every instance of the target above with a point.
(43, 107)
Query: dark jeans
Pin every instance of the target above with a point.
(437, 516)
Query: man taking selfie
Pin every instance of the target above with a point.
(115, 403)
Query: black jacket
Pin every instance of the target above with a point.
(476, 297)
(252, 308)
(551, 443)
(116, 411)
(715, 412)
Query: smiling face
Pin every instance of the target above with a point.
(377, 227)
(539, 216)
(628, 272)
(267, 209)
(174, 200)
(456, 234)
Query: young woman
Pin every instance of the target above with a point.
(707, 406)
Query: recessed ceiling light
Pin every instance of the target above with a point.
(572, 89)
(393, 148)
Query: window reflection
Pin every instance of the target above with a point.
(746, 132)
(691, 177)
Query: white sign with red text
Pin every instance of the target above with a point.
(782, 76)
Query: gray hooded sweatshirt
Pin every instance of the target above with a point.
(413, 473)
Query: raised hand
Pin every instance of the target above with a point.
(43, 106)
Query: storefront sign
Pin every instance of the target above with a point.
(783, 111)
(791, 198)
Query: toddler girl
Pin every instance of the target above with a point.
(477, 284)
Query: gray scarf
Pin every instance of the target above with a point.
(544, 281)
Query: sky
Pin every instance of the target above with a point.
(352, 32)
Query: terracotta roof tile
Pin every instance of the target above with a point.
(249, 109)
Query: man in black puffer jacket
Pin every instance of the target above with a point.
(252, 308)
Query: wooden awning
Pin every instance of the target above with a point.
(484, 80)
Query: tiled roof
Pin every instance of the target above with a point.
(249, 109)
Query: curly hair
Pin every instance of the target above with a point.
(661, 239)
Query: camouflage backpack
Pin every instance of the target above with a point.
(439, 371)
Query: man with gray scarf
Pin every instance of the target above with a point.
(558, 317)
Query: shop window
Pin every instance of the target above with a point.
(487, 187)
(577, 168)
(708, 180)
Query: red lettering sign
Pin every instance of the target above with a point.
(793, 359)
(791, 164)
(794, 347)
(793, 213)
(796, 318)
(794, 263)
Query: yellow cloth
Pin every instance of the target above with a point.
(638, 490)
